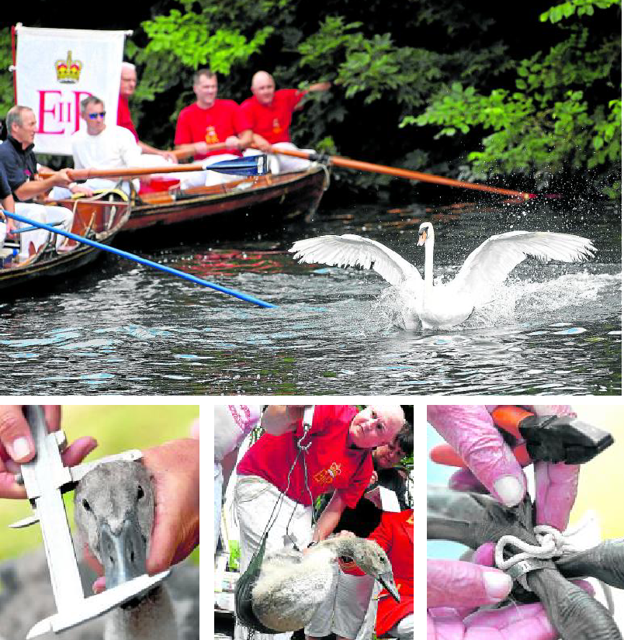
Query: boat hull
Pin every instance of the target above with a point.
(266, 202)
(99, 220)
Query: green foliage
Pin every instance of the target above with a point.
(563, 115)
(6, 77)
(578, 7)
(185, 36)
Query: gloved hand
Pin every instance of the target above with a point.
(470, 430)
(455, 589)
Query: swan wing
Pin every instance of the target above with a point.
(355, 251)
(489, 264)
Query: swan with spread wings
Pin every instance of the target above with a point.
(452, 303)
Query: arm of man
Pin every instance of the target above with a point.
(280, 419)
(240, 141)
(318, 86)
(32, 188)
(146, 148)
(330, 517)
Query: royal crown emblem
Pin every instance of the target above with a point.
(68, 70)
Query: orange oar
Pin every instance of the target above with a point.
(507, 418)
(339, 161)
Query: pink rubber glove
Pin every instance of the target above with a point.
(17, 447)
(470, 430)
(456, 589)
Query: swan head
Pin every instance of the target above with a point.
(425, 231)
(371, 559)
(114, 514)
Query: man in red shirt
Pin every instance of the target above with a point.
(212, 129)
(124, 118)
(338, 459)
(270, 114)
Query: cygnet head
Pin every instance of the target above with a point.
(425, 231)
(114, 513)
(372, 559)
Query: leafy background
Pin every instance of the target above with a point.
(528, 96)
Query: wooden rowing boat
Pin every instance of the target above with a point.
(250, 204)
(100, 219)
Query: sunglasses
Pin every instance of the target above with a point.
(94, 116)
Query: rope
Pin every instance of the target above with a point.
(551, 543)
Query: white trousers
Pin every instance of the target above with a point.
(283, 164)
(46, 215)
(208, 178)
(254, 499)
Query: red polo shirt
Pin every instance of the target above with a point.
(212, 125)
(330, 463)
(124, 119)
(272, 122)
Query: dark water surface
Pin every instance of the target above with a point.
(125, 329)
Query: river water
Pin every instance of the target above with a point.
(122, 328)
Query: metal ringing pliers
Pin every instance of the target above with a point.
(46, 479)
(474, 519)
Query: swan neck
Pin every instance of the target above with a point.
(429, 261)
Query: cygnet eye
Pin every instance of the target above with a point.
(140, 493)
(86, 506)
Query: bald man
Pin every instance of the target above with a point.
(270, 114)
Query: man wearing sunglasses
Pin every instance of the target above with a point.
(20, 165)
(101, 146)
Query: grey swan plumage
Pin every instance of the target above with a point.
(452, 303)
(114, 514)
(292, 585)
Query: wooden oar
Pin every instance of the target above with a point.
(144, 261)
(339, 161)
(248, 166)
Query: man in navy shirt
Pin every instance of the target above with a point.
(20, 165)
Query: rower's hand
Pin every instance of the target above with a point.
(201, 147)
(61, 178)
(17, 446)
(80, 188)
(492, 467)
(233, 142)
(169, 156)
(262, 144)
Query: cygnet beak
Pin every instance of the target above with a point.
(422, 237)
(124, 555)
(387, 580)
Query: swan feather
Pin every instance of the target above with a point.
(490, 263)
(351, 250)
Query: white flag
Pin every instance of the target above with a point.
(56, 69)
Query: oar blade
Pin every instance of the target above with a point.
(247, 166)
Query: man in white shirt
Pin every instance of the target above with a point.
(101, 146)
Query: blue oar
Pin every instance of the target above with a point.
(249, 166)
(135, 258)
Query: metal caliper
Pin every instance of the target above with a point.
(46, 479)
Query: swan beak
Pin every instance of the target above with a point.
(422, 237)
(387, 580)
(124, 553)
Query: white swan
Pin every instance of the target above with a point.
(114, 514)
(291, 585)
(452, 303)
